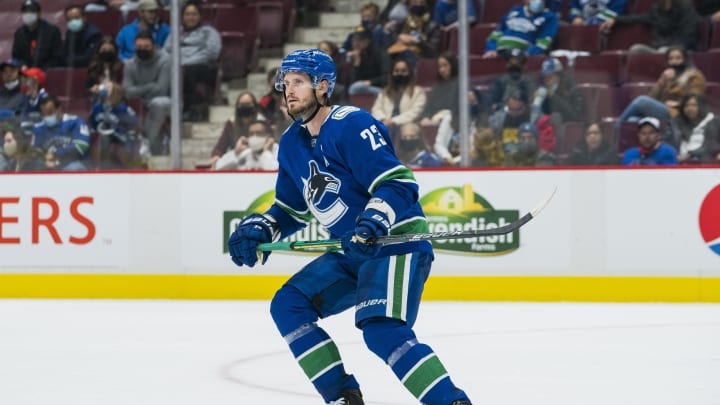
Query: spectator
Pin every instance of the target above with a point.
(709, 9)
(695, 132)
(487, 149)
(147, 76)
(526, 151)
(105, 67)
(531, 28)
(17, 154)
(652, 151)
(505, 122)
(558, 95)
(418, 35)
(200, 46)
(117, 126)
(330, 48)
(446, 13)
(401, 101)
(33, 86)
(256, 151)
(81, 38)
(370, 22)
(369, 64)
(147, 20)
(395, 12)
(63, 138)
(593, 149)
(516, 78)
(11, 98)
(677, 80)
(672, 22)
(412, 150)
(247, 110)
(590, 12)
(37, 43)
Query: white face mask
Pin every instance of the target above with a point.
(10, 148)
(29, 18)
(536, 6)
(12, 85)
(256, 143)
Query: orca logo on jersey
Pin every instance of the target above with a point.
(321, 194)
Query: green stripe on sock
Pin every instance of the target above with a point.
(319, 359)
(398, 287)
(421, 378)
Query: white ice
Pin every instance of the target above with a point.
(95, 352)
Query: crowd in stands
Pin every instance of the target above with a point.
(553, 82)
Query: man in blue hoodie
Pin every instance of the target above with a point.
(148, 20)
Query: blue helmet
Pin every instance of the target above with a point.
(316, 63)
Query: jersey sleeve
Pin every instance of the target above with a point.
(289, 210)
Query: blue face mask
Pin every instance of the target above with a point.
(50, 120)
(536, 6)
(75, 25)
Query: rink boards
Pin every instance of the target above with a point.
(607, 235)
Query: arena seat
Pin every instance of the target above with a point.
(599, 69)
(709, 64)
(270, 23)
(715, 36)
(600, 100)
(477, 36)
(238, 55)
(67, 82)
(364, 100)
(572, 134)
(623, 36)
(483, 70)
(579, 38)
(109, 21)
(641, 6)
(237, 19)
(10, 21)
(644, 67)
(495, 10)
(426, 72)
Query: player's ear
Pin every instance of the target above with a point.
(323, 90)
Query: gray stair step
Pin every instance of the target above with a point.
(315, 35)
(346, 20)
(221, 113)
(205, 130)
(294, 46)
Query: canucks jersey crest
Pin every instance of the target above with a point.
(320, 190)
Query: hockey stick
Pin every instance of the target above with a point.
(334, 244)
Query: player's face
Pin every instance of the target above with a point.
(299, 94)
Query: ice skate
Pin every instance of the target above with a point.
(349, 397)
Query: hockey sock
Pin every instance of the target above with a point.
(312, 347)
(415, 364)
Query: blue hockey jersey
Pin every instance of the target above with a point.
(596, 11)
(533, 33)
(70, 138)
(333, 176)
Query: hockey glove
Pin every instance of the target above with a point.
(359, 245)
(243, 243)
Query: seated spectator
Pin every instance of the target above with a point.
(37, 43)
(677, 80)
(672, 22)
(593, 150)
(81, 38)
(446, 13)
(33, 86)
(117, 127)
(401, 101)
(17, 154)
(370, 22)
(417, 36)
(64, 138)
(412, 150)
(247, 110)
(652, 151)
(200, 47)
(331, 49)
(709, 9)
(11, 98)
(369, 64)
(147, 76)
(558, 95)
(531, 28)
(147, 20)
(516, 78)
(394, 13)
(505, 121)
(256, 151)
(695, 132)
(590, 12)
(526, 151)
(105, 67)
(487, 149)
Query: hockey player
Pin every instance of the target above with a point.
(337, 164)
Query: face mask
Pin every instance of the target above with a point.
(144, 54)
(50, 120)
(409, 144)
(528, 147)
(417, 10)
(245, 111)
(12, 85)
(401, 79)
(368, 24)
(679, 69)
(536, 6)
(29, 18)
(75, 25)
(107, 56)
(10, 149)
(256, 143)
